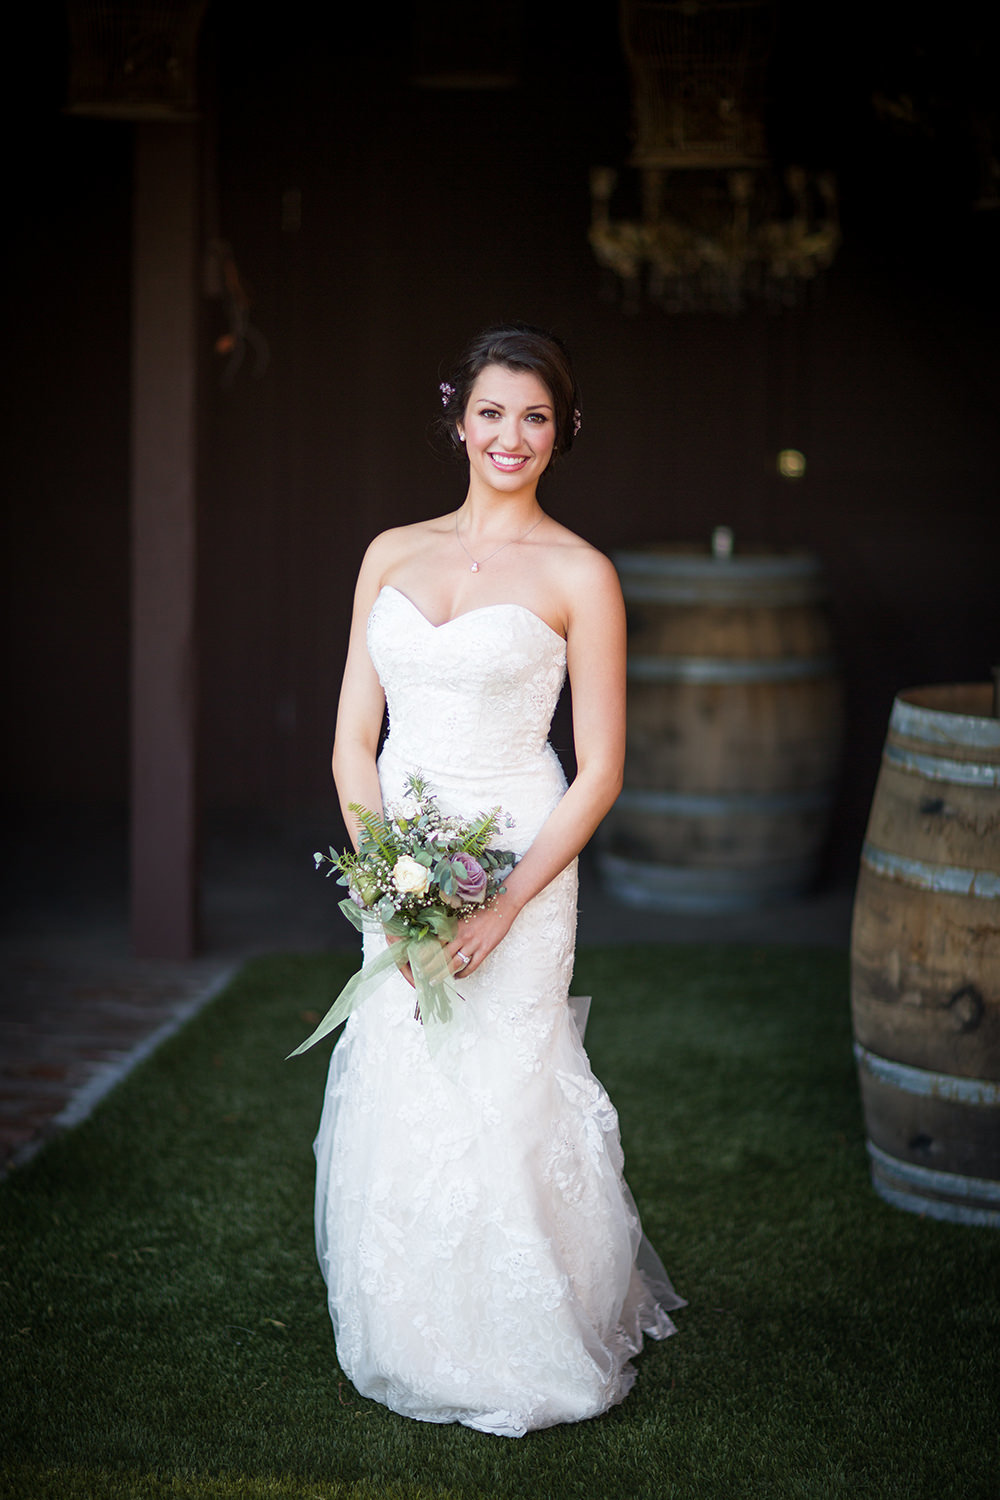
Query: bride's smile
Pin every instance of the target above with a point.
(508, 461)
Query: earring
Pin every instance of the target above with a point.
(461, 437)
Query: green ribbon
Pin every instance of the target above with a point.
(425, 953)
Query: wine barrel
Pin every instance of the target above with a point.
(925, 958)
(734, 730)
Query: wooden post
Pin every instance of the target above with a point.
(164, 541)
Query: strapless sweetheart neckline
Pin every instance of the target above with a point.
(480, 609)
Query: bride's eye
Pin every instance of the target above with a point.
(537, 416)
(490, 412)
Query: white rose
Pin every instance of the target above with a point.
(410, 877)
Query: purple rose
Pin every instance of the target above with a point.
(470, 878)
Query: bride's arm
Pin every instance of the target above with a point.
(361, 707)
(595, 654)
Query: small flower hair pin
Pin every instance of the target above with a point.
(447, 391)
(576, 420)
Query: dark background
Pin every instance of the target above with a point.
(425, 214)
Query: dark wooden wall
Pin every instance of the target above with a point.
(377, 224)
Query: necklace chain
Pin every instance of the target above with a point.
(477, 564)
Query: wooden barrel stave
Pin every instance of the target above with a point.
(741, 632)
(750, 737)
(925, 958)
(910, 1121)
(943, 824)
(925, 976)
(701, 831)
(693, 888)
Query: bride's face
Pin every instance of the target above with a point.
(509, 428)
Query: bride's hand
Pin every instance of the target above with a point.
(404, 969)
(407, 974)
(477, 936)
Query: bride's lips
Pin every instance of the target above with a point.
(507, 463)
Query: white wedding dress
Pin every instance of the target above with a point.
(483, 1254)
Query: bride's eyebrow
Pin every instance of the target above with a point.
(538, 405)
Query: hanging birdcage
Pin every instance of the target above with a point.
(134, 61)
(699, 73)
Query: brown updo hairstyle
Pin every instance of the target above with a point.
(515, 346)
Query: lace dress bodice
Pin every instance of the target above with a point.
(470, 703)
(490, 677)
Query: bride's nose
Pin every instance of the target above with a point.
(510, 433)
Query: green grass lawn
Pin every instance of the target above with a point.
(165, 1329)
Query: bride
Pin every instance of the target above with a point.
(483, 1255)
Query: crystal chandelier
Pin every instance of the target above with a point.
(718, 225)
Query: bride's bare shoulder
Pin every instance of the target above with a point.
(580, 564)
(404, 542)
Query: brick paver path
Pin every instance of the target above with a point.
(72, 1020)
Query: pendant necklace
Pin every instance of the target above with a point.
(477, 565)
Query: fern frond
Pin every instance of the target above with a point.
(376, 828)
(479, 835)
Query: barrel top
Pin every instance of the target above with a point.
(678, 561)
(948, 714)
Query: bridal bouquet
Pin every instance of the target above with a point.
(415, 874)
